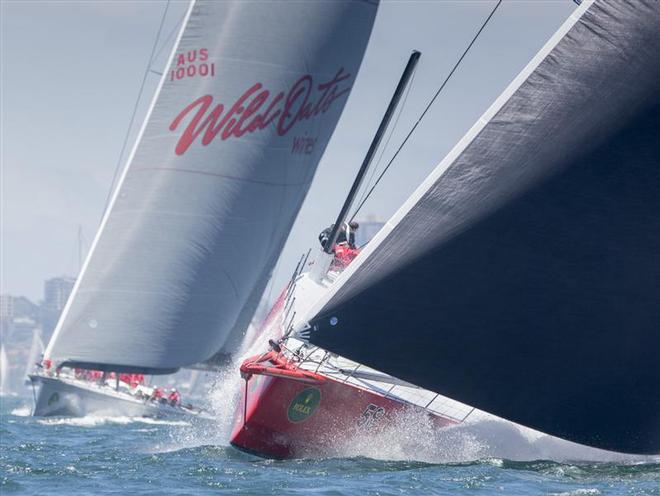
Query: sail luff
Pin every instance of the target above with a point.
(115, 193)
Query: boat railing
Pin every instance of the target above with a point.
(427, 400)
(318, 366)
(430, 401)
(437, 404)
(352, 373)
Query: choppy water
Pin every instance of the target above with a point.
(139, 456)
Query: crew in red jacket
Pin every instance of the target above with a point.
(157, 394)
(174, 398)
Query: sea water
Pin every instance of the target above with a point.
(126, 456)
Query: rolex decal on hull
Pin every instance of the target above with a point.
(304, 405)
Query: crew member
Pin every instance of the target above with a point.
(136, 380)
(174, 398)
(156, 394)
(346, 234)
(48, 364)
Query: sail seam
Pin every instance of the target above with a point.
(223, 176)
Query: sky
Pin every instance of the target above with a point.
(71, 73)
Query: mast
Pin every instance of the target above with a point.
(403, 82)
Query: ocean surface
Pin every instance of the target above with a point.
(130, 456)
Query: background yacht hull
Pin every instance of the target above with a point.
(64, 397)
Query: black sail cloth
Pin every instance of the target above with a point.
(525, 280)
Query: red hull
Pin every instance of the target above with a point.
(286, 417)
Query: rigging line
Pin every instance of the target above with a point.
(442, 86)
(166, 42)
(387, 141)
(135, 107)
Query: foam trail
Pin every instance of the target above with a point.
(225, 394)
(222, 398)
(21, 411)
(413, 437)
(95, 421)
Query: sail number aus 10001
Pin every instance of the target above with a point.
(192, 63)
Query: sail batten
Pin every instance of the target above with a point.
(250, 97)
(522, 277)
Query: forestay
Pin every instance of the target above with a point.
(523, 277)
(245, 108)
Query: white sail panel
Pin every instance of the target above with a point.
(246, 107)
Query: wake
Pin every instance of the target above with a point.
(413, 437)
(99, 420)
(21, 411)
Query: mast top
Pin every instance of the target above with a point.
(343, 213)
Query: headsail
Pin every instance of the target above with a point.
(243, 113)
(523, 277)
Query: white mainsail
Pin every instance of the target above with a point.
(250, 98)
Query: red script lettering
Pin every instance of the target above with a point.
(256, 110)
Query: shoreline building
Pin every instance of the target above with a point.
(56, 293)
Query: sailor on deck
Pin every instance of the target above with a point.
(346, 234)
(156, 394)
(174, 398)
(345, 250)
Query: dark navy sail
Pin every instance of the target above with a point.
(523, 277)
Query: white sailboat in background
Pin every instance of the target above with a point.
(245, 108)
(4, 372)
(35, 355)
